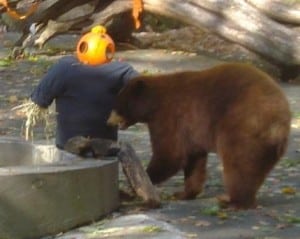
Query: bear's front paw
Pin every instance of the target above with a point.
(183, 196)
(179, 195)
(224, 200)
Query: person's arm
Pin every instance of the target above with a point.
(123, 73)
(49, 87)
(129, 73)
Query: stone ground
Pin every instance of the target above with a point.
(278, 214)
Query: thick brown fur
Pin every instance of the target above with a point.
(232, 109)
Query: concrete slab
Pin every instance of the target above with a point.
(128, 227)
(45, 191)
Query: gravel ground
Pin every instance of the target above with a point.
(278, 215)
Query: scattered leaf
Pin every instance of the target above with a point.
(5, 62)
(211, 211)
(222, 215)
(281, 226)
(288, 190)
(184, 219)
(12, 99)
(152, 229)
(292, 219)
(33, 58)
(202, 223)
(256, 228)
(192, 235)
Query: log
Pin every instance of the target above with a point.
(236, 20)
(283, 11)
(137, 177)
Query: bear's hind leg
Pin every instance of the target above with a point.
(241, 192)
(244, 172)
(194, 176)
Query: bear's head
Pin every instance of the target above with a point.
(136, 102)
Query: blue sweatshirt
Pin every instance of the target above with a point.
(84, 96)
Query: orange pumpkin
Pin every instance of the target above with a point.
(95, 47)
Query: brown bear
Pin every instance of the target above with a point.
(233, 109)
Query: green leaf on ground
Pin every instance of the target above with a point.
(152, 229)
(288, 190)
(211, 211)
(292, 219)
(5, 62)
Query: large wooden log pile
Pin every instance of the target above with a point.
(267, 27)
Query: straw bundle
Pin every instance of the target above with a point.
(34, 114)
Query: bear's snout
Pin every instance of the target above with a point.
(115, 119)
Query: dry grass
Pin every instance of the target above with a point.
(34, 114)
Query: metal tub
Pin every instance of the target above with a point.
(44, 191)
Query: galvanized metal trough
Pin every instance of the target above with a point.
(45, 191)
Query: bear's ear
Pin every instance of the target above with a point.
(139, 87)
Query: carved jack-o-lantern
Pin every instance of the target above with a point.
(95, 47)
